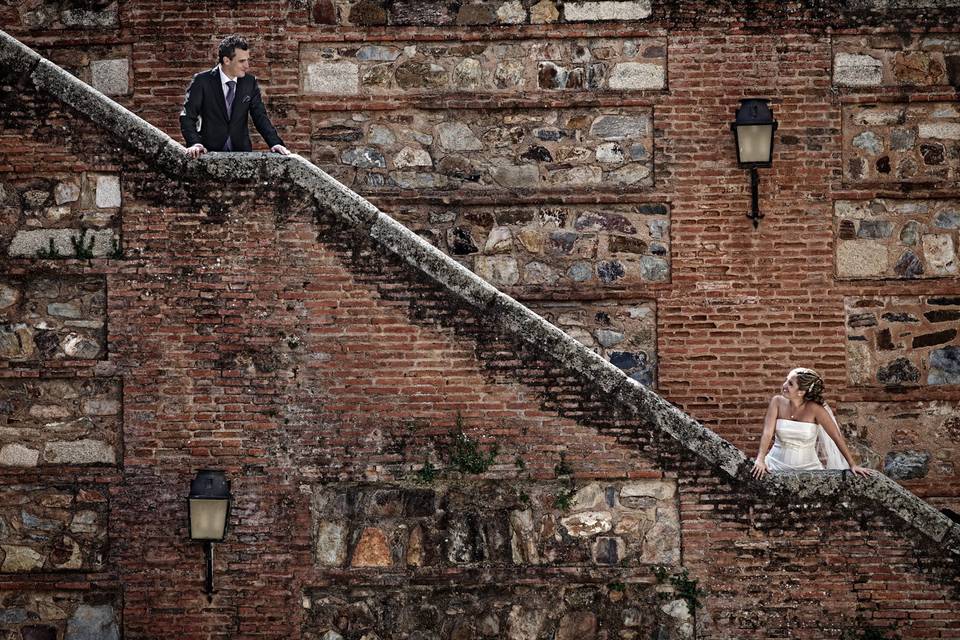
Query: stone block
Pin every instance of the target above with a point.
(16, 455)
(637, 76)
(111, 77)
(621, 10)
(36, 243)
(331, 543)
(108, 192)
(330, 78)
(85, 451)
(372, 550)
(93, 623)
(857, 70)
(19, 559)
(861, 259)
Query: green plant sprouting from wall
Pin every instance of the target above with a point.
(466, 455)
(52, 253)
(427, 473)
(683, 586)
(563, 499)
(82, 250)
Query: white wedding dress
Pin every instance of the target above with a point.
(799, 446)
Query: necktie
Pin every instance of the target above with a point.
(231, 90)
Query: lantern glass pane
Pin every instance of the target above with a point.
(755, 141)
(208, 519)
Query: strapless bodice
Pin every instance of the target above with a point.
(794, 447)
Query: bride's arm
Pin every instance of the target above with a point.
(769, 426)
(830, 425)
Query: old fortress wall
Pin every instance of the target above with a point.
(246, 313)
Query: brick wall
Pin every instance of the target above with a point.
(250, 337)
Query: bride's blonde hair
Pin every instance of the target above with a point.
(810, 382)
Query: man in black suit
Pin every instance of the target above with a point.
(214, 116)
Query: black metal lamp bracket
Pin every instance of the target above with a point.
(755, 214)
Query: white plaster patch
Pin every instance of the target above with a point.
(336, 78)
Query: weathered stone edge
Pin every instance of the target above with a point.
(153, 144)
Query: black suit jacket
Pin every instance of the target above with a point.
(204, 115)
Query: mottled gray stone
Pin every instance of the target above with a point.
(637, 76)
(17, 455)
(525, 176)
(869, 142)
(378, 53)
(79, 452)
(875, 229)
(468, 74)
(498, 270)
(111, 77)
(612, 127)
(654, 269)
(499, 240)
(100, 407)
(944, 366)
(856, 70)
(633, 173)
(879, 116)
(906, 465)
(92, 623)
(947, 220)
(940, 130)
(332, 78)
(608, 338)
(64, 310)
(380, 135)
(456, 136)
(363, 157)
(902, 139)
(8, 295)
(66, 192)
(910, 233)
(609, 152)
(331, 548)
(580, 272)
(606, 10)
(411, 157)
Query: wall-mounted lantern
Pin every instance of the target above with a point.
(209, 509)
(753, 130)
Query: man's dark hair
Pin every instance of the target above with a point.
(229, 46)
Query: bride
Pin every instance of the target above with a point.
(803, 429)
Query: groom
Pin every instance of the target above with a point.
(214, 115)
